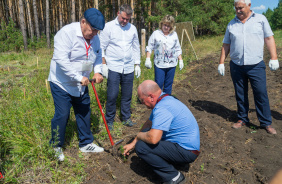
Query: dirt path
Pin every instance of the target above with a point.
(248, 155)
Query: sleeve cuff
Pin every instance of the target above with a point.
(78, 78)
(137, 62)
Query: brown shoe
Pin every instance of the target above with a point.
(239, 124)
(269, 129)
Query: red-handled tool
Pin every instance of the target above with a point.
(103, 115)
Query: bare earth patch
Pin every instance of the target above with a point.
(248, 155)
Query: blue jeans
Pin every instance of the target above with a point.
(164, 78)
(126, 82)
(162, 155)
(63, 101)
(257, 77)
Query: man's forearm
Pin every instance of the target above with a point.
(224, 53)
(270, 43)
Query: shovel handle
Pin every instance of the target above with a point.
(101, 110)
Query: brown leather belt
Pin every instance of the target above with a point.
(196, 152)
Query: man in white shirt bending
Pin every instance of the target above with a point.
(121, 53)
(76, 53)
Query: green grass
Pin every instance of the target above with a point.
(26, 109)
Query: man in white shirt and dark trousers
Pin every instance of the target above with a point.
(76, 53)
(244, 39)
(119, 40)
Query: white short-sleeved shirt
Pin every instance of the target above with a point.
(247, 40)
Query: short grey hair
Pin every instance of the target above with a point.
(126, 8)
(247, 2)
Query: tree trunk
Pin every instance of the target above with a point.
(133, 14)
(1, 12)
(42, 25)
(55, 17)
(47, 24)
(61, 14)
(96, 5)
(22, 23)
(80, 8)
(36, 20)
(73, 10)
(11, 10)
(31, 30)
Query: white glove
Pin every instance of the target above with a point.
(221, 69)
(137, 71)
(148, 63)
(273, 64)
(105, 70)
(181, 64)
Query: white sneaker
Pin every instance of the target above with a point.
(91, 148)
(59, 154)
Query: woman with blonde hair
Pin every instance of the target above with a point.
(167, 52)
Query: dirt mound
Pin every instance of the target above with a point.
(248, 155)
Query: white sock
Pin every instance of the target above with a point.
(176, 177)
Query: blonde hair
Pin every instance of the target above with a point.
(168, 19)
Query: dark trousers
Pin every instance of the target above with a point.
(162, 156)
(257, 77)
(164, 78)
(126, 82)
(63, 101)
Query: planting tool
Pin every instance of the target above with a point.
(102, 113)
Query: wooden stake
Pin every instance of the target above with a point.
(37, 62)
(46, 81)
(143, 42)
(24, 92)
(8, 69)
(191, 44)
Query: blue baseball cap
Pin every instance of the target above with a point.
(95, 18)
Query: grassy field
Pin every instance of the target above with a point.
(26, 109)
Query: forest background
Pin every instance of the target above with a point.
(31, 24)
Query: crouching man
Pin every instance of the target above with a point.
(170, 136)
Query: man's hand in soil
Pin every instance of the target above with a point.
(129, 147)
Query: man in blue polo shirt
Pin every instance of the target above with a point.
(244, 39)
(171, 135)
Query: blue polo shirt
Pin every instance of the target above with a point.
(177, 123)
(247, 40)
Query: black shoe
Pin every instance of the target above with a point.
(128, 123)
(110, 126)
(181, 179)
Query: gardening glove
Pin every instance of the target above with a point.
(273, 64)
(181, 64)
(148, 63)
(137, 71)
(105, 70)
(221, 69)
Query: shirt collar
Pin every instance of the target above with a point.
(163, 33)
(252, 15)
(117, 23)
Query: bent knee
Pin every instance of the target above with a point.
(140, 148)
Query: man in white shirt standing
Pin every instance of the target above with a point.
(120, 42)
(76, 53)
(244, 39)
